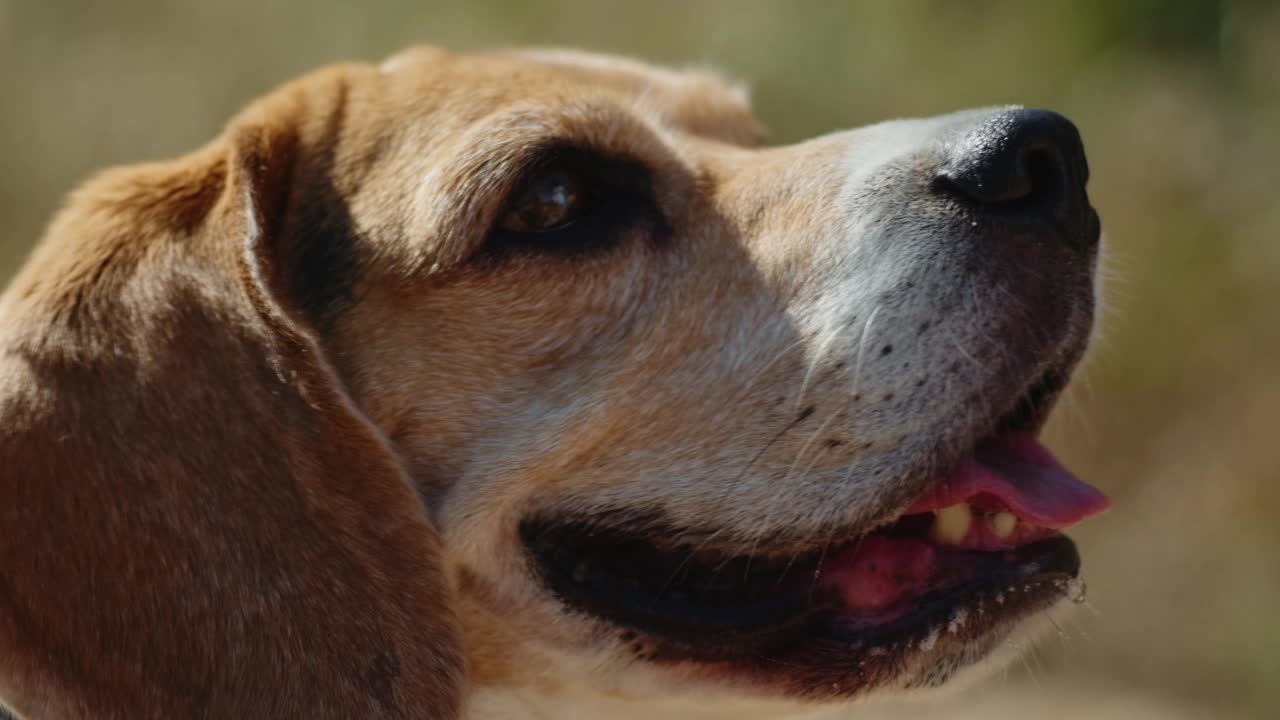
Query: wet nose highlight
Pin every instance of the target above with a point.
(1019, 160)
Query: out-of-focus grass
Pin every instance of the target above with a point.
(1179, 103)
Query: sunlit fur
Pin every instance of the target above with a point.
(813, 338)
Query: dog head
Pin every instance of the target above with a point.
(670, 394)
(691, 417)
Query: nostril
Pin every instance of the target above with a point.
(1020, 160)
(1033, 174)
(1046, 177)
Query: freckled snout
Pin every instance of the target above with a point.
(1022, 164)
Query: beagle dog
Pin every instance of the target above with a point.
(529, 384)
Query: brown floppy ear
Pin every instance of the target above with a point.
(197, 521)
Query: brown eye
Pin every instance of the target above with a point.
(571, 201)
(550, 201)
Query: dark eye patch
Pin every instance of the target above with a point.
(571, 201)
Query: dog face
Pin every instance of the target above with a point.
(536, 359)
(692, 414)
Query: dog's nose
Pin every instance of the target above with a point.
(1022, 161)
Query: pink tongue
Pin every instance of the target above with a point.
(1021, 473)
(875, 573)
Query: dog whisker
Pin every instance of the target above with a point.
(829, 338)
(817, 432)
(855, 388)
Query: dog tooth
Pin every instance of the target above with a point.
(1003, 524)
(951, 524)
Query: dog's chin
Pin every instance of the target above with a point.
(906, 604)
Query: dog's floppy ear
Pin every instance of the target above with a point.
(197, 520)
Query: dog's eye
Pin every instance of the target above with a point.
(550, 200)
(572, 201)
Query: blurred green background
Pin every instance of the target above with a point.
(1179, 103)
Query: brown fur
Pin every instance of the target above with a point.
(200, 523)
(269, 418)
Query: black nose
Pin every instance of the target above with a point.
(1028, 161)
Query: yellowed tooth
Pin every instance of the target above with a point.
(1002, 524)
(951, 524)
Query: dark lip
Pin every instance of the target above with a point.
(620, 575)
(634, 586)
(828, 662)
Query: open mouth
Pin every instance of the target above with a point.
(993, 522)
(980, 548)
